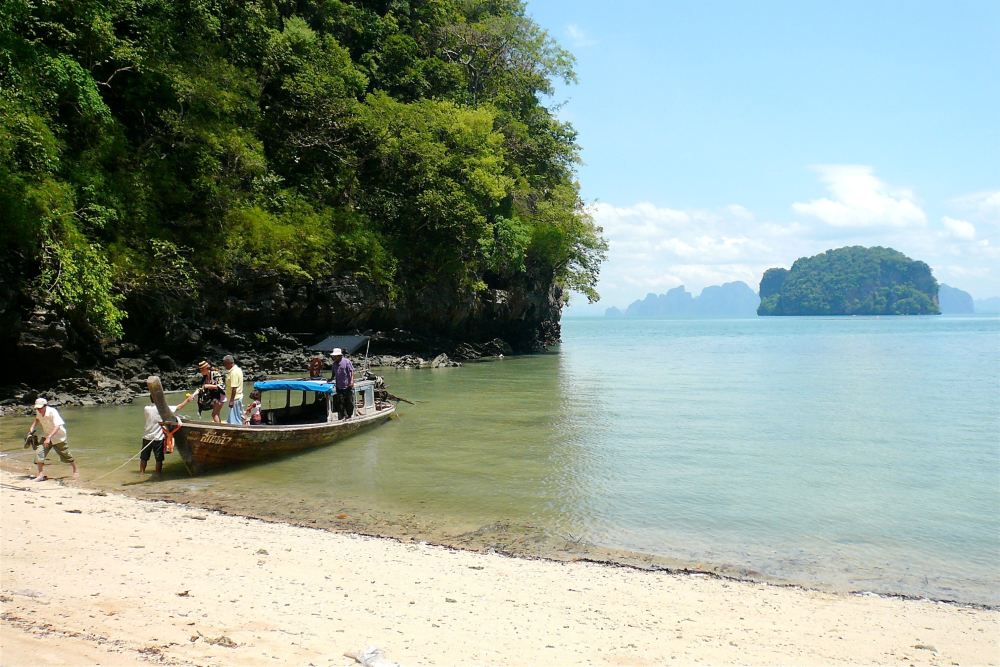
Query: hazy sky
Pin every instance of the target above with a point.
(723, 138)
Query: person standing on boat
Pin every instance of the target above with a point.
(153, 436)
(252, 415)
(234, 388)
(343, 378)
(212, 390)
(54, 429)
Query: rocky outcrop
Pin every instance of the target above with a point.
(422, 321)
(412, 361)
(265, 319)
(42, 347)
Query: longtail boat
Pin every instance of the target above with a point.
(286, 428)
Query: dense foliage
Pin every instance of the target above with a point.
(190, 142)
(850, 281)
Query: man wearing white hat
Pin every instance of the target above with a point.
(54, 429)
(343, 378)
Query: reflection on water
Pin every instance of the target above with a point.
(847, 453)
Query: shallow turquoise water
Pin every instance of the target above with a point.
(848, 453)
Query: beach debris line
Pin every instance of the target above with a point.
(372, 656)
(221, 640)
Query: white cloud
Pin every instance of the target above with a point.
(655, 248)
(860, 200)
(960, 229)
(982, 206)
(740, 212)
(579, 37)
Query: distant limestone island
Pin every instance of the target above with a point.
(851, 281)
(846, 281)
(954, 301)
(736, 299)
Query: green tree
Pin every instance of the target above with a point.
(408, 143)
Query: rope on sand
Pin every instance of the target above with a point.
(124, 464)
(32, 452)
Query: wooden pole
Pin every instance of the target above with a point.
(160, 400)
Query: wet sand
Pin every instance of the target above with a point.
(108, 579)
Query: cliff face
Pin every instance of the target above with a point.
(851, 281)
(261, 314)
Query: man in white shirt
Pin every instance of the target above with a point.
(153, 435)
(54, 430)
(234, 390)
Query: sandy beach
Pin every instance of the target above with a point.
(102, 579)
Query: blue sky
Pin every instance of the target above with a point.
(723, 138)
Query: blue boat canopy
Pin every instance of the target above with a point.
(294, 385)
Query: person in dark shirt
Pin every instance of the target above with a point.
(343, 379)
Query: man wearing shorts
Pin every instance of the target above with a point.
(234, 388)
(153, 435)
(54, 429)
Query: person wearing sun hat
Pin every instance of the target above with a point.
(343, 378)
(54, 429)
(213, 388)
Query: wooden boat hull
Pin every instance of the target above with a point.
(208, 445)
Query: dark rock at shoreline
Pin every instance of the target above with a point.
(123, 379)
(254, 319)
(442, 361)
(43, 345)
(271, 321)
(412, 361)
(494, 348)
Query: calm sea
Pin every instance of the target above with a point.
(840, 453)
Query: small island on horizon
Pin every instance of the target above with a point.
(851, 281)
(738, 300)
(733, 299)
